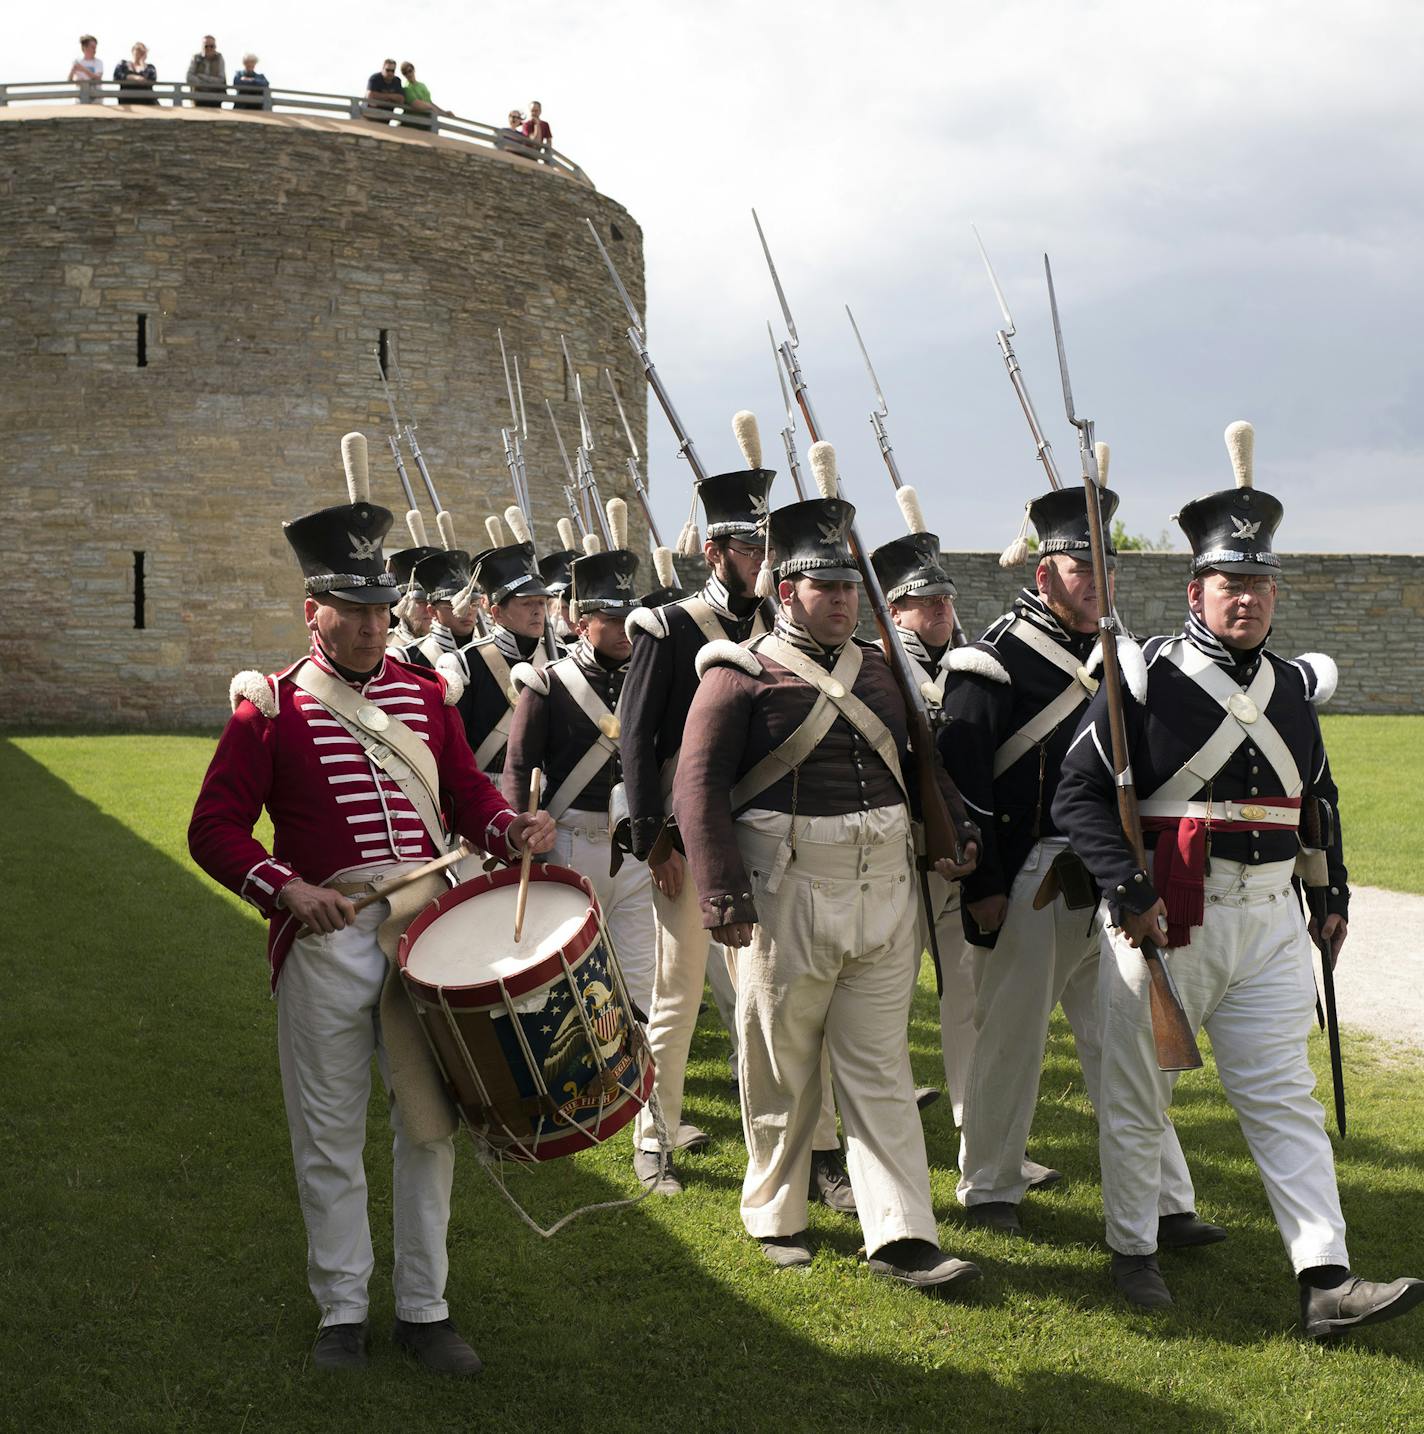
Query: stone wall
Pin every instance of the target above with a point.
(1366, 610)
(266, 254)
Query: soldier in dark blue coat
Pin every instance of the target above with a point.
(1012, 705)
(1227, 758)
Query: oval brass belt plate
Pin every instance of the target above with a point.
(372, 717)
(610, 726)
(1242, 707)
(1253, 814)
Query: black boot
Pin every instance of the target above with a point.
(1140, 1282)
(438, 1347)
(830, 1184)
(922, 1265)
(340, 1347)
(998, 1215)
(1353, 1302)
(1186, 1228)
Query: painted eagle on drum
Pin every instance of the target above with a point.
(570, 1068)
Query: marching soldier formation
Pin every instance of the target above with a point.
(749, 789)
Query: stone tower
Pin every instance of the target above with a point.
(191, 307)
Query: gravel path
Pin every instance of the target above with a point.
(1379, 981)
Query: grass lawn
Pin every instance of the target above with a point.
(1378, 763)
(152, 1252)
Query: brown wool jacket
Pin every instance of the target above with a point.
(735, 720)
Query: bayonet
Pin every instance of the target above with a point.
(633, 471)
(393, 438)
(1005, 338)
(788, 434)
(584, 457)
(639, 346)
(881, 409)
(788, 349)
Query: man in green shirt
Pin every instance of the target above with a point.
(419, 107)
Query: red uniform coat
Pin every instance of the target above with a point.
(331, 807)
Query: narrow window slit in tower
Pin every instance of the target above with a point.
(143, 340)
(138, 589)
(383, 351)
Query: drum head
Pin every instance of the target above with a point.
(473, 942)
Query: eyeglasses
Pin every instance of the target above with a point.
(1260, 586)
(743, 548)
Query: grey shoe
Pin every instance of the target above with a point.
(786, 1252)
(340, 1347)
(1325, 1313)
(921, 1265)
(998, 1215)
(690, 1138)
(656, 1172)
(830, 1184)
(1185, 1229)
(438, 1347)
(1139, 1281)
(1039, 1177)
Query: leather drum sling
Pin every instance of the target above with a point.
(603, 747)
(398, 751)
(834, 699)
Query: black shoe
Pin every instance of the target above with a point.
(438, 1347)
(340, 1346)
(1139, 1281)
(830, 1184)
(786, 1252)
(1180, 1231)
(655, 1172)
(926, 1095)
(1324, 1313)
(997, 1215)
(1039, 1177)
(922, 1265)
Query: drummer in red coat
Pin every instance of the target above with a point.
(362, 764)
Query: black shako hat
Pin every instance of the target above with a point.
(736, 503)
(603, 582)
(1060, 519)
(554, 569)
(443, 575)
(1232, 531)
(813, 538)
(911, 567)
(402, 564)
(339, 550)
(661, 597)
(509, 572)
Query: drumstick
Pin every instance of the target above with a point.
(535, 778)
(459, 853)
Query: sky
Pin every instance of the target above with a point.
(1230, 193)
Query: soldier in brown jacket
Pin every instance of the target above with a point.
(791, 797)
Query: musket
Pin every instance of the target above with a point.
(513, 440)
(878, 415)
(1171, 1031)
(788, 434)
(1011, 363)
(571, 488)
(640, 349)
(443, 518)
(413, 519)
(1315, 881)
(942, 828)
(635, 474)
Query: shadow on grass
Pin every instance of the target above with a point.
(155, 1256)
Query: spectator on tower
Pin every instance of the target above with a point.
(207, 70)
(536, 128)
(251, 86)
(419, 107)
(135, 78)
(511, 137)
(87, 69)
(383, 90)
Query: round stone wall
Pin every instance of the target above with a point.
(190, 309)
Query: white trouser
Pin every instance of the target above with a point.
(582, 843)
(1042, 959)
(956, 1001)
(831, 965)
(1248, 978)
(328, 1026)
(686, 957)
